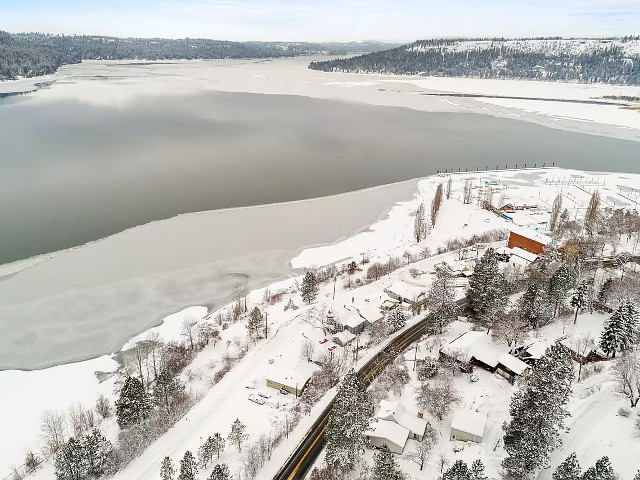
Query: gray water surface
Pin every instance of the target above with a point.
(73, 171)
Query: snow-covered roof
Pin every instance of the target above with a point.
(395, 411)
(388, 430)
(478, 345)
(291, 374)
(514, 364)
(344, 337)
(533, 235)
(349, 318)
(528, 256)
(406, 290)
(538, 349)
(469, 422)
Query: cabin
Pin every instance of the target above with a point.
(468, 426)
(389, 434)
(396, 412)
(528, 240)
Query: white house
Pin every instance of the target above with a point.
(407, 293)
(385, 432)
(468, 426)
(396, 412)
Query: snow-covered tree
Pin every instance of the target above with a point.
(536, 306)
(420, 224)
(559, 285)
(569, 469)
(97, 450)
(167, 470)
(441, 299)
(510, 328)
(436, 204)
(538, 412)
(255, 324)
(70, 462)
(238, 434)
(591, 214)
(602, 470)
(437, 397)
(217, 444)
(555, 212)
(167, 390)
(205, 452)
(477, 470)
(631, 319)
(427, 369)
(385, 466)
(458, 471)
(626, 372)
(422, 449)
(220, 472)
(580, 299)
(133, 404)
(614, 332)
(188, 467)
(309, 289)
(395, 319)
(487, 293)
(350, 417)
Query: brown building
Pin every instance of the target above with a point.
(528, 240)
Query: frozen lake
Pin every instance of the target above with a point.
(109, 146)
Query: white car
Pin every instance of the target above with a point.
(256, 399)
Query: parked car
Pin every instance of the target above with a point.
(282, 391)
(264, 395)
(256, 399)
(323, 341)
(331, 349)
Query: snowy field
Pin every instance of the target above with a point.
(389, 237)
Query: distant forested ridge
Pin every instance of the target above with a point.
(33, 54)
(585, 60)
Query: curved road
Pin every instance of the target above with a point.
(310, 447)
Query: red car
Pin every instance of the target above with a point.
(331, 349)
(323, 341)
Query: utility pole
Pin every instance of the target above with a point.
(415, 358)
(334, 287)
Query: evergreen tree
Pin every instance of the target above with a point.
(188, 467)
(256, 322)
(477, 471)
(605, 290)
(350, 417)
(385, 466)
(536, 306)
(487, 295)
(167, 389)
(441, 300)
(580, 299)
(637, 477)
(70, 462)
(217, 444)
(568, 470)
(613, 336)
(97, 451)
(458, 471)
(630, 325)
(166, 469)
(396, 319)
(238, 434)
(205, 452)
(133, 404)
(309, 289)
(559, 285)
(537, 413)
(601, 471)
(220, 472)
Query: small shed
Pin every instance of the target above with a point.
(528, 240)
(385, 432)
(407, 293)
(343, 338)
(468, 426)
(290, 377)
(510, 367)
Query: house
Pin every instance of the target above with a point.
(474, 348)
(406, 292)
(350, 320)
(396, 412)
(510, 367)
(343, 338)
(529, 240)
(385, 432)
(467, 426)
(290, 377)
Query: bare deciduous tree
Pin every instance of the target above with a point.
(435, 204)
(437, 397)
(103, 406)
(77, 418)
(555, 212)
(420, 453)
(468, 192)
(449, 188)
(307, 350)
(626, 372)
(420, 226)
(591, 214)
(582, 345)
(510, 328)
(52, 431)
(188, 331)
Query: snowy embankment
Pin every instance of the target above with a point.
(391, 236)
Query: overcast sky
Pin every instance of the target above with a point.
(323, 20)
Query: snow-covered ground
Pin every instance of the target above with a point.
(389, 236)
